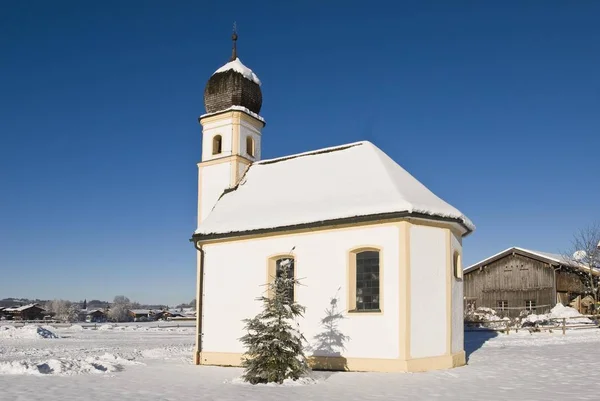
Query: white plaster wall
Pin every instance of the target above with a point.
(235, 274)
(242, 169)
(215, 179)
(246, 129)
(428, 330)
(457, 304)
(209, 131)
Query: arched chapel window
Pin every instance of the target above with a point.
(277, 266)
(286, 266)
(457, 265)
(365, 280)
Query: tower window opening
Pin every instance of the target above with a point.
(217, 141)
(250, 146)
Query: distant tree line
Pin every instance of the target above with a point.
(65, 310)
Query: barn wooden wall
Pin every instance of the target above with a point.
(569, 282)
(515, 279)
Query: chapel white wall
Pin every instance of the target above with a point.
(235, 274)
(457, 303)
(213, 181)
(428, 261)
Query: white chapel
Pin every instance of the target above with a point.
(367, 234)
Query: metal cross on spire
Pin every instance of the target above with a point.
(234, 38)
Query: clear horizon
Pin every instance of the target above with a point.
(494, 107)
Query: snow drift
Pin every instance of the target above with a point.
(26, 332)
(558, 312)
(106, 363)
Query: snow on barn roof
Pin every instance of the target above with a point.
(551, 258)
(22, 308)
(141, 311)
(348, 181)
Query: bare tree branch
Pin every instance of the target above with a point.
(585, 253)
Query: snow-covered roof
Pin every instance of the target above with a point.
(141, 311)
(22, 308)
(235, 108)
(548, 257)
(145, 311)
(237, 66)
(348, 181)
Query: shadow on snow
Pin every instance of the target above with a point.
(475, 340)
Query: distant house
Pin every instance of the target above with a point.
(25, 312)
(142, 315)
(178, 314)
(518, 279)
(138, 315)
(2, 314)
(95, 316)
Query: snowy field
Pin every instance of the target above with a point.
(143, 362)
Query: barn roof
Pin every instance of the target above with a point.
(551, 258)
(355, 180)
(22, 308)
(141, 311)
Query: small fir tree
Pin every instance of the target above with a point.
(275, 350)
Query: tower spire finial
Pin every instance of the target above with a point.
(234, 37)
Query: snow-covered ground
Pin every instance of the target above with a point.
(141, 362)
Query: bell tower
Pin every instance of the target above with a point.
(231, 130)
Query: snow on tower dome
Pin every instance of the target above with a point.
(233, 84)
(238, 66)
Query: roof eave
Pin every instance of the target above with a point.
(329, 223)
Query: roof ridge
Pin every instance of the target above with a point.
(555, 257)
(311, 153)
(332, 186)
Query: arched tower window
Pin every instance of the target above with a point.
(250, 146)
(217, 143)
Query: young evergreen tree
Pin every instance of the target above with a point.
(274, 345)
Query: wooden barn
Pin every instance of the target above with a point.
(25, 312)
(518, 279)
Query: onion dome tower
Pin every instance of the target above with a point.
(231, 129)
(233, 84)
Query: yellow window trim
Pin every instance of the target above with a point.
(351, 280)
(250, 146)
(217, 144)
(457, 265)
(272, 266)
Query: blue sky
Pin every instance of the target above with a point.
(493, 105)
